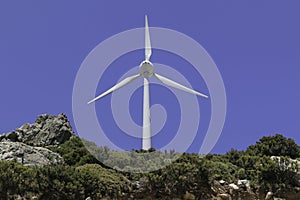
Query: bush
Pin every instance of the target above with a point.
(61, 182)
(74, 153)
(188, 173)
(280, 171)
(276, 145)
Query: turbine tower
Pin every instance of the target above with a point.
(147, 71)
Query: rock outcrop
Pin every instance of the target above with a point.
(28, 155)
(26, 144)
(48, 130)
(225, 191)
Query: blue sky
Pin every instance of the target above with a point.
(255, 45)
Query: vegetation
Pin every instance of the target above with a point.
(188, 173)
(276, 145)
(269, 164)
(60, 182)
(74, 152)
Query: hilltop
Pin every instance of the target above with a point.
(46, 160)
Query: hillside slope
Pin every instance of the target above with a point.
(46, 160)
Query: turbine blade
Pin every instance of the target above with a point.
(148, 50)
(116, 87)
(177, 85)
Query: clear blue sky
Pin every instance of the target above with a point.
(255, 44)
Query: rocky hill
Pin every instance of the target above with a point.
(27, 144)
(46, 160)
(47, 130)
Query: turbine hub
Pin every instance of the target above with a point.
(146, 69)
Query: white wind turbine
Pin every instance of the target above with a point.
(147, 71)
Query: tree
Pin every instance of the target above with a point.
(276, 145)
(74, 152)
(280, 171)
(188, 173)
(233, 156)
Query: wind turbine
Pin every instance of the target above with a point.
(147, 71)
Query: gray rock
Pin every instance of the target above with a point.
(189, 196)
(244, 183)
(28, 155)
(233, 186)
(269, 196)
(46, 131)
(224, 196)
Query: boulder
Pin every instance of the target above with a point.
(189, 196)
(224, 196)
(244, 182)
(269, 196)
(233, 186)
(28, 155)
(48, 130)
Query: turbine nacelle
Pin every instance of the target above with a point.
(146, 69)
